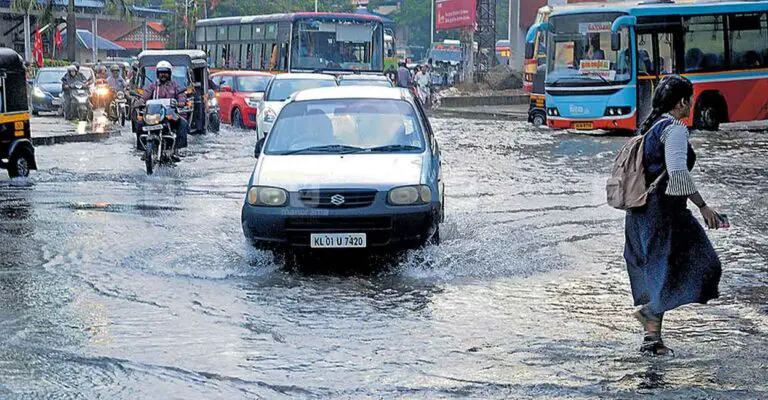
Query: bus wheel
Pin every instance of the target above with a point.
(19, 164)
(538, 119)
(710, 111)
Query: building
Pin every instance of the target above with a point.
(104, 47)
(128, 35)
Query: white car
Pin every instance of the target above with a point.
(279, 89)
(353, 167)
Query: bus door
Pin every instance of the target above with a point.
(655, 58)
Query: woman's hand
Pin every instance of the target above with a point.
(710, 217)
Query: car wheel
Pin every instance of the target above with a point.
(435, 239)
(237, 119)
(18, 165)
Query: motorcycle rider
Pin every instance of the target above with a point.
(68, 82)
(165, 88)
(116, 83)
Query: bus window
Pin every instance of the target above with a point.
(246, 61)
(234, 60)
(645, 65)
(200, 35)
(748, 40)
(210, 34)
(704, 44)
(666, 54)
(234, 32)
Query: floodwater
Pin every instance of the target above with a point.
(119, 285)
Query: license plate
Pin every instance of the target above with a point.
(337, 240)
(152, 128)
(56, 101)
(584, 125)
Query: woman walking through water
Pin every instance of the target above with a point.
(670, 260)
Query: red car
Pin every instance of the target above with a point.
(238, 94)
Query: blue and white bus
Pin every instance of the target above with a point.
(604, 61)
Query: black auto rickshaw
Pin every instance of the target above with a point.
(190, 70)
(17, 154)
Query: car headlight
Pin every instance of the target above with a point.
(267, 196)
(38, 92)
(252, 102)
(409, 195)
(269, 115)
(152, 119)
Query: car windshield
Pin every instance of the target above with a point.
(338, 45)
(581, 51)
(45, 77)
(178, 74)
(252, 83)
(445, 55)
(282, 88)
(346, 125)
(364, 82)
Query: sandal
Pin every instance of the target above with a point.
(653, 345)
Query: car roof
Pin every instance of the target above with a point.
(299, 75)
(52, 69)
(241, 73)
(351, 92)
(363, 78)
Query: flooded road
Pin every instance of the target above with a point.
(117, 285)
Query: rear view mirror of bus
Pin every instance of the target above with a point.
(615, 41)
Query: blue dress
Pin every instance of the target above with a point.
(670, 260)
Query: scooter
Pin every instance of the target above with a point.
(80, 103)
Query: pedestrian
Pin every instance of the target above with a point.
(404, 79)
(670, 260)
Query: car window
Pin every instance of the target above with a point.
(227, 81)
(216, 81)
(362, 123)
(253, 83)
(282, 88)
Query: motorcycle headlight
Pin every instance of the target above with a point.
(38, 92)
(102, 91)
(120, 95)
(152, 119)
(269, 115)
(409, 195)
(213, 102)
(267, 196)
(252, 102)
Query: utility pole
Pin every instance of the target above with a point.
(432, 24)
(94, 41)
(516, 38)
(509, 32)
(315, 5)
(186, 27)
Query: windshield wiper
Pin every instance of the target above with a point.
(601, 77)
(393, 147)
(332, 148)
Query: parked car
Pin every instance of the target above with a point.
(46, 90)
(238, 94)
(280, 87)
(366, 175)
(365, 80)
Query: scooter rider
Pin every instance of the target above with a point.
(115, 82)
(68, 82)
(165, 88)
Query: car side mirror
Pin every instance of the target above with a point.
(259, 147)
(615, 41)
(529, 50)
(226, 89)
(174, 103)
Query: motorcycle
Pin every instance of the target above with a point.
(100, 94)
(80, 103)
(214, 123)
(118, 109)
(156, 136)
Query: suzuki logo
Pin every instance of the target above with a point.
(337, 199)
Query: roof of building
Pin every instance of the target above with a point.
(85, 38)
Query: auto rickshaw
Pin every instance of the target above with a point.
(17, 154)
(190, 70)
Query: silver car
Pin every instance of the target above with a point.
(346, 168)
(280, 87)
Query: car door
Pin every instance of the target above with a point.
(226, 96)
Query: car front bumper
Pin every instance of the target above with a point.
(45, 104)
(386, 227)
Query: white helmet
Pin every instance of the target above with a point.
(163, 66)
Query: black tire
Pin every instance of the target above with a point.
(122, 120)
(18, 164)
(237, 119)
(82, 115)
(214, 124)
(148, 157)
(35, 113)
(538, 119)
(707, 115)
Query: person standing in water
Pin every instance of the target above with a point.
(670, 260)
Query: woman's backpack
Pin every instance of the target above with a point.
(627, 188)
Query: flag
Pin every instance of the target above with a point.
(37, 51)
(57, 38)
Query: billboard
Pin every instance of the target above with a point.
(452, 14)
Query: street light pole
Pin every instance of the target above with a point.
(315, 5)
(509, 33)
(432, 24)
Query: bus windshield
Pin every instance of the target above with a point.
(337, 45)
(580, 51)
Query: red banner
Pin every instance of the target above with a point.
(452, 14)
(37, 50)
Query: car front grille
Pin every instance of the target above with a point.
(337, 198)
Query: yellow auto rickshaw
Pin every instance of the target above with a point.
(17, 154)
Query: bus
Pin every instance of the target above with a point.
(447, 51)
(538, 52)
(297, 42)
(390, 49)
(603, 62)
